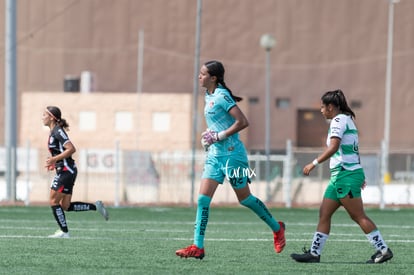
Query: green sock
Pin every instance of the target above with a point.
(203, 210)
(258, 207)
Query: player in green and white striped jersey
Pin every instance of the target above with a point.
(343, 127)
(347, 180)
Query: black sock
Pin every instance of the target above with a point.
(81, 206)
(60, 218)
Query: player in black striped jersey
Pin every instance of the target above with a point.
(61, 150)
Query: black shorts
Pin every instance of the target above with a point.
(64, 180)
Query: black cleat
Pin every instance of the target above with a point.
(307, 257)
(379, 258)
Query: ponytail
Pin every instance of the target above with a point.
(235, 98)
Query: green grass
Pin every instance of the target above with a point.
(143, 241)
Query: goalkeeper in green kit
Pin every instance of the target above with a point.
(226, 159)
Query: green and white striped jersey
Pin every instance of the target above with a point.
(347, 156)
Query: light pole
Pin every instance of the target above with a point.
(195, 96)
(10, 98)
(385, 177)
(267, 42)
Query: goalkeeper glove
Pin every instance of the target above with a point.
(209, 137)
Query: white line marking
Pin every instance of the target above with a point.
(190, 239)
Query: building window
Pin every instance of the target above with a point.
(253, 100)
(161, 121)
(282, 103)
(123, 121)
(87, 121)
(356, 104)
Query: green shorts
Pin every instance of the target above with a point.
(234, 168)
(344, 183)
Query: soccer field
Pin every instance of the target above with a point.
(144, 240)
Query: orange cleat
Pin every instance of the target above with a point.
(279, 238)
(191, 251)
